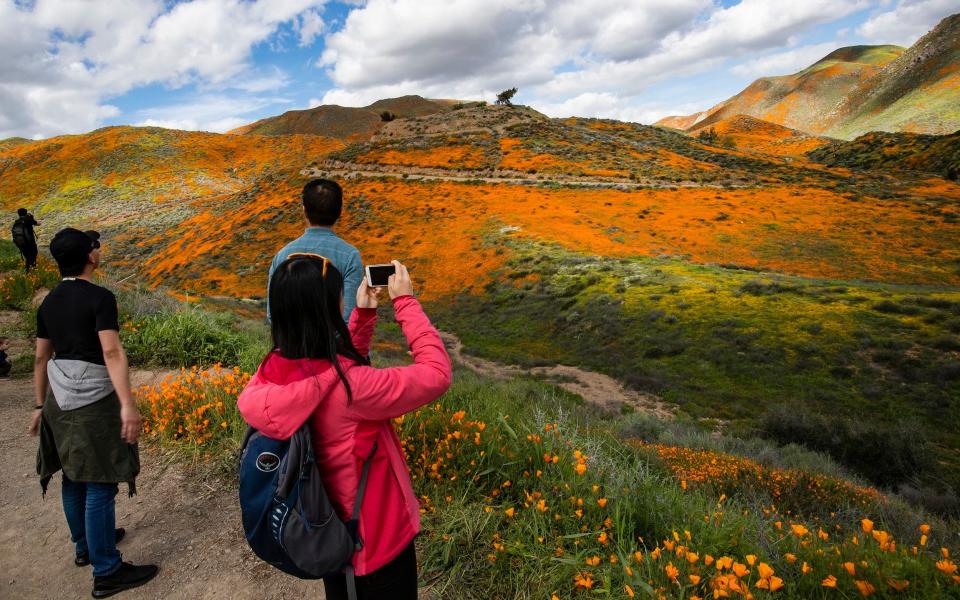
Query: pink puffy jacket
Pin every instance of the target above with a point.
(285, 393)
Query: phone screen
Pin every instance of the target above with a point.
(380, 274)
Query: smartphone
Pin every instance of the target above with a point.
(379, 275)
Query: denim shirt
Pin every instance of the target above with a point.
(346, 258)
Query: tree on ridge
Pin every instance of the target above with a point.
(505, 96)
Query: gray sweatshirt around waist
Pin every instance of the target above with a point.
(77, 383)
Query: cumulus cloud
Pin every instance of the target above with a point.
(612, 106)
(560, 54)
(64, 59)
(309, 25)
(908, 20)
(208, 112)
(783, 63)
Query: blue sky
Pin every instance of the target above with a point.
(73, 65)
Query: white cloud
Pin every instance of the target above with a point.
(270, 81)
(909, 20)
(309, 26)
(598, 55)
(611, 106)
(63, 59)
(210, 112)
(783, 63)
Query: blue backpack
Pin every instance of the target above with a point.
(288, 519)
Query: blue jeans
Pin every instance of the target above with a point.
(90, 511)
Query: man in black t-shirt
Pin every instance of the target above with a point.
(24, 237)
(85, 414)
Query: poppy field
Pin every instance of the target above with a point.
(527, 493)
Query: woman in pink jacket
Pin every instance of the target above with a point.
(319, 373)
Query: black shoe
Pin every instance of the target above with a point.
(127, 577)
(83, 559)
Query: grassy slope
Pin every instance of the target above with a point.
(733, 345)
(935, 154)
(917, 92)
(526, 492)
(239, 204)
(134, 184)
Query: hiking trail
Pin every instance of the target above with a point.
(186, 522)
(595, 388)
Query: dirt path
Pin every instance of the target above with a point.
(596, 388)
(507, 177)
(189, 526)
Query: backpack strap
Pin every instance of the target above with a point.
(355, 521)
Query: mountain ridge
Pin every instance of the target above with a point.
(856, 89)
(345, 123)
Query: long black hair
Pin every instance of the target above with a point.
(306, 321)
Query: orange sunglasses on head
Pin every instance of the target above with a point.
(326, 261)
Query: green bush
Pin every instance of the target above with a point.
(186, 337)
(17, 288)
(10, 258)
(885, 454)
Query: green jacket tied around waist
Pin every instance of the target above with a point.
(85, 442)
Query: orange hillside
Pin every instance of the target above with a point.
(749, 133)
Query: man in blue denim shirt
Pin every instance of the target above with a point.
(322, 205)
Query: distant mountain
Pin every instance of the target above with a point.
(344, 122)
(800, 100)
(857, 89)
(919, 92)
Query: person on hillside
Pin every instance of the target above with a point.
(24, 237)
(318, 373)
(85, 414)
(322, 205)
(5, 365)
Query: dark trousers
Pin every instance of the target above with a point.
(396, 580)
(29, 251)
(5, 368)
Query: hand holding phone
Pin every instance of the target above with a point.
(367, 297)
(379, 275)
(399, 283)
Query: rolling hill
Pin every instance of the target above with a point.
(736, 281)
(857, 89)
(935, 154)
(341, 122)
(220, 205)
(744, 132)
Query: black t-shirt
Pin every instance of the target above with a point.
(71, 316)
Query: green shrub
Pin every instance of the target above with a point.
(186, 337)
(885, 454)
(10, 258)
(18, 288)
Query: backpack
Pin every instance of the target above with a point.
(21, 235)
(288, 519)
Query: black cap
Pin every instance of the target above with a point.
(70, 247)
